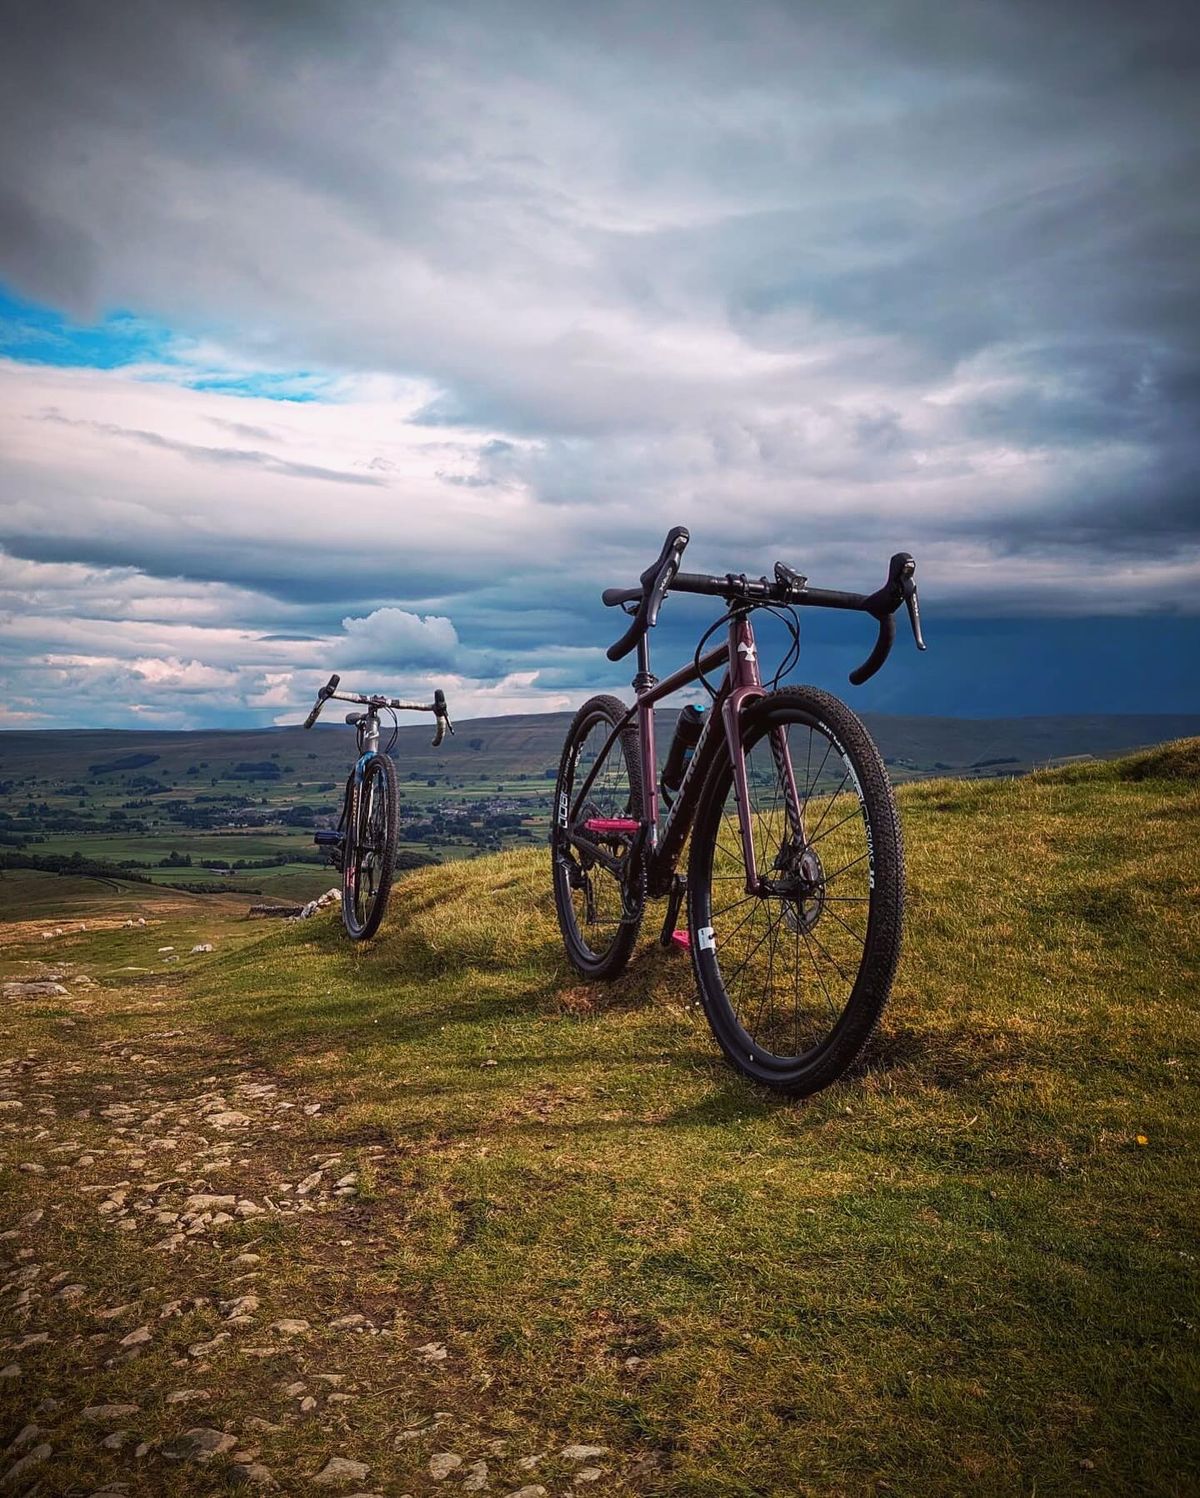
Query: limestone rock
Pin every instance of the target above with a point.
(339, 1470)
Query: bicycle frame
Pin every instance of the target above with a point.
(659, 841)
(368, 744)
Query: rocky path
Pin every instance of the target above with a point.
(194, 1285)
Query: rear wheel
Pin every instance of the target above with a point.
(369, 855)
(598, 892)
(794, 977)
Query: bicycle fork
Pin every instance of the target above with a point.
(746, 688)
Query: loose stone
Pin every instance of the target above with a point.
(202, 1349)
(253, 1473)
(114, 1313)
(244, 1305)
(290, 1327)
(205, 1203)
(338, 1470)
(200, 1444)
(26, 1464)
(23, 1437)
(105, 1412)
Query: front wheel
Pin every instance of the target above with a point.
(369, 855)
(794, 977)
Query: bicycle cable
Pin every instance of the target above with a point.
(790, 619)
(787, 616)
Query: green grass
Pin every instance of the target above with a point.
(971, 1267)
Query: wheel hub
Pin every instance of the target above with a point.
(804, 901)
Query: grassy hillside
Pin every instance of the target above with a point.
(972, 1267)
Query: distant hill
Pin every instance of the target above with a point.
(529, 744)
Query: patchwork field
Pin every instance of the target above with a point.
(430, 1216)
(235, 811)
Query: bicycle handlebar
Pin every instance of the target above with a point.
(788, 587)
(900, 588)
(437, 706)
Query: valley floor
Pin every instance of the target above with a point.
(432, 1217)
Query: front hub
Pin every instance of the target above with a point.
(801, 888)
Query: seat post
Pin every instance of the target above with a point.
(645, 678)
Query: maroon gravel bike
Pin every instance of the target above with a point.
(794, 877)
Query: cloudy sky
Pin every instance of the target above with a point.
(381, 337)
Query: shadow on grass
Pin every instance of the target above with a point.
(952, 1058)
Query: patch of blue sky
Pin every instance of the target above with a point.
(34, 334)
(275, 385)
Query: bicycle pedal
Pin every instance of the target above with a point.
(682, 939)
(327, 839)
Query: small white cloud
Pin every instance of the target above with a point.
(402, 640)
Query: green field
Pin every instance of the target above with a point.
(972, 1267)
(142, 797)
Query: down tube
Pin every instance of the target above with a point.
(684, 677)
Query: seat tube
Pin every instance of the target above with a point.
(642, 683)
(745, 686)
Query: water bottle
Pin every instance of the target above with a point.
(683, 746)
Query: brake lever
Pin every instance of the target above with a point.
(443, 718)
(908, 590)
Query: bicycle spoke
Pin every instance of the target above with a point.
(829, 831)
(828, 804)
(861, 940)
(829, 878)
